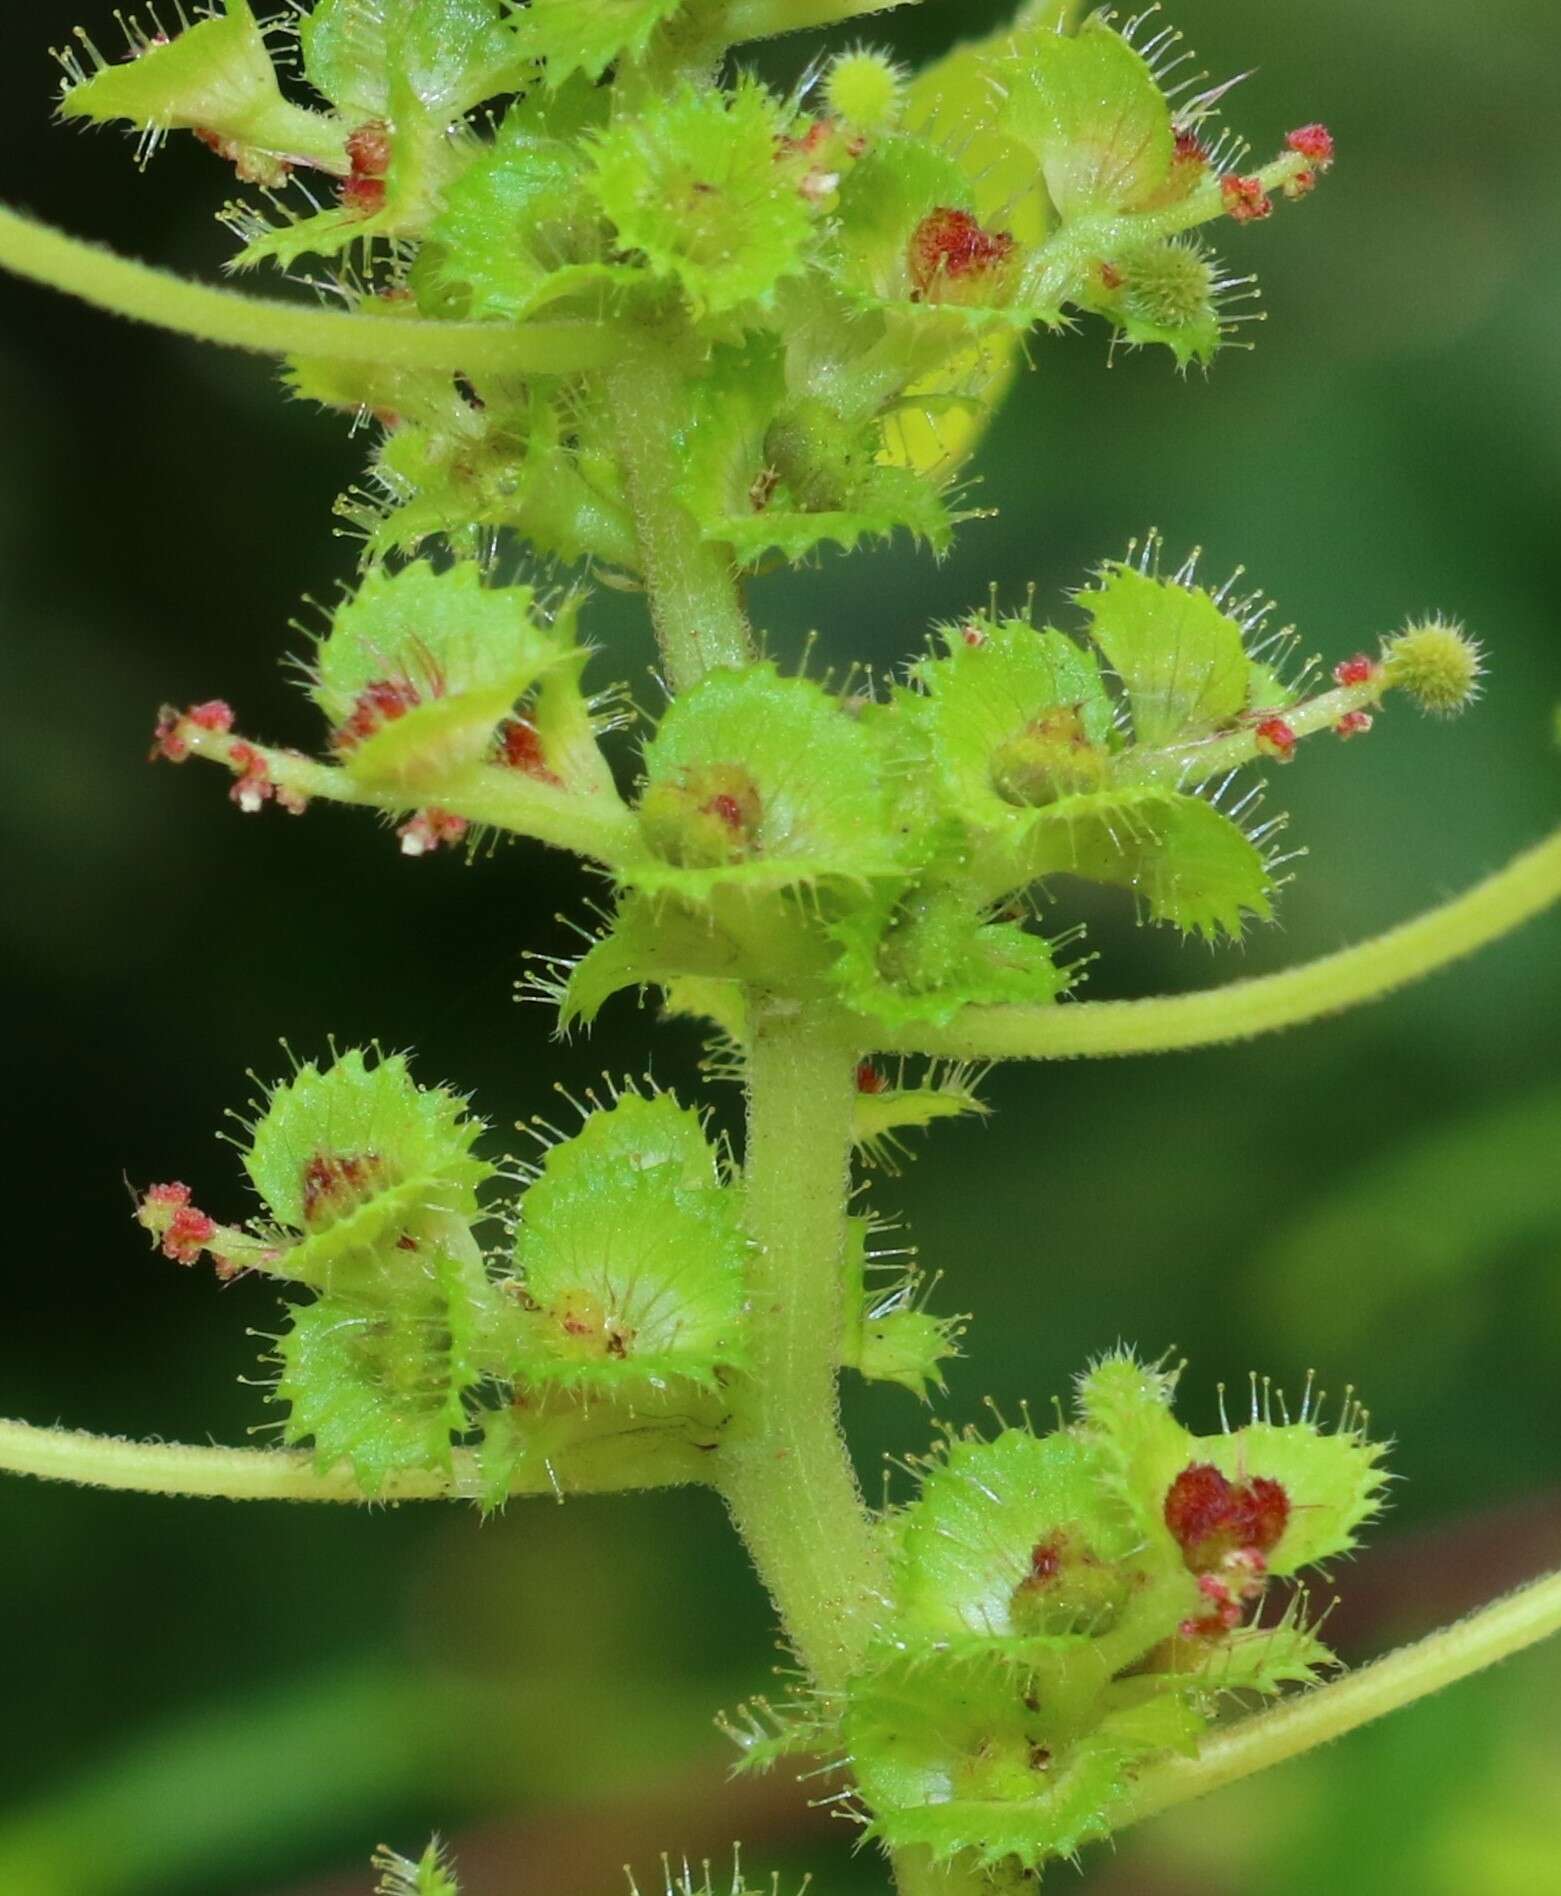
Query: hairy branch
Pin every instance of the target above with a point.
(1527, 886)
(259, 1474)
(138, 291)
(1497, 1631)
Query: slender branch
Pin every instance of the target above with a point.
(1494, 1633)
(1186, 766)
(138, 291)
(695, 602)
(761, 19)
(785, 1469)
(259, 1474)
(1527, 886)
(600, 827)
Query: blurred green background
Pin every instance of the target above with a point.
(206, 1700)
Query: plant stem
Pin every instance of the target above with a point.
(1527, 886)
(271, 327)
(258, 1474)
(785, 1470)
(1494, 1633)
(598, 827)
(695, 603)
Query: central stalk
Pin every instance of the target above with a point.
(786, 1472)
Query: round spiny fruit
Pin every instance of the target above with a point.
(1437, 663)
(865, 89)
(1169, 285)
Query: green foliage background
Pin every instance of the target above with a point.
(207, 1700)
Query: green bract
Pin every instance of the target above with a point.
(215, 78)
(587, 36)
(629, 1257)
(369, 57)
(420, 666)
(357, 1156)
(699, 186)
(381, 1380)
(755, 783)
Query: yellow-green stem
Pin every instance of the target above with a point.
(1527, 886)
(259, 1474)
(785, 1471)
(272, 327)
(1494, 1633)
(691, 583)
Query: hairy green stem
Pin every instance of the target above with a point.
(695, 602)
(599, 827)
(1527, 886)
(785, 1469)
(138, 291)
(1494, 1633)
(260, 1474)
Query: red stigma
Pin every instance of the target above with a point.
(949, 247)
(369, 150)
(1045, 1563)
(1354, 724)
(1358, 670)
(335, 1184)
(727, 809)
(1245, 199)
(520, 748)
(973, 636)
(1190, 149)
(1314, 142)
(1111, 276)
(1276, 739)
(1219, 1523)
(213, 715)
(376, 705)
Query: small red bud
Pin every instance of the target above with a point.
(168, 741)
(1358, 670)
(181, 1230)
(1354, 724)
(1245, 199)
(214, 715)
(1314, 142)
(869, 1079)
(429, 829)
(253, 785)
(1276, 739)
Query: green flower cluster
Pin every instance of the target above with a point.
(1067, 1607)
(851, 265)
(611, 1309)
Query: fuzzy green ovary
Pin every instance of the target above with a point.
(704, 817)
(1051, 757)
(1069, 1588)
